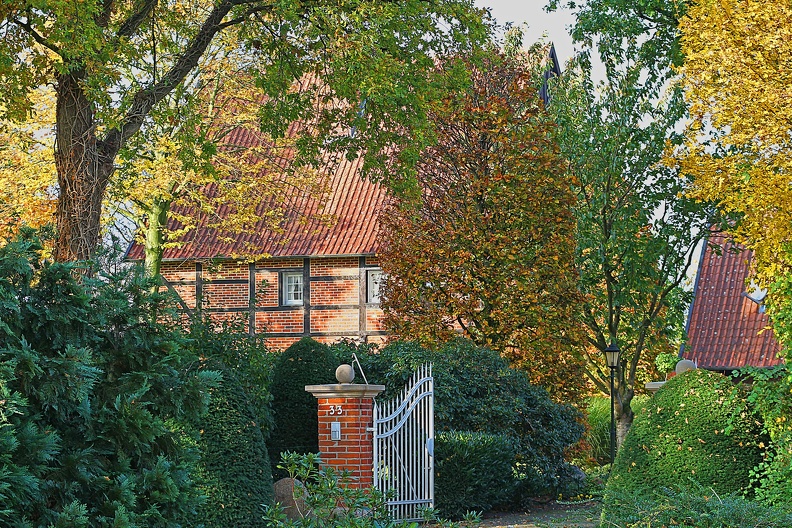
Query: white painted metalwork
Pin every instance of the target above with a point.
(404, 447)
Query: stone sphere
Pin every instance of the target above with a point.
(684, 365)
(345, 373)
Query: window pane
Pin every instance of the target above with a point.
(374, 282)
(293, 288)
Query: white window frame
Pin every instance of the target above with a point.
(290, 297)
(374, 279)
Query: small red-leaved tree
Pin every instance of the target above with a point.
(487, 250)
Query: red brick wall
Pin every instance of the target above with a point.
(335, 320)
(374, 319)
(226, 295)
(334, 267)
(225, 270)
(266, 288)
(354, 452)
(281, 321)
(335, 293)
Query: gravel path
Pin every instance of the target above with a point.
(552, 515)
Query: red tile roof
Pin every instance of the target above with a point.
(726, 329)
(353, 202)
(352, 205)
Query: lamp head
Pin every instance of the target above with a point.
(612, 355)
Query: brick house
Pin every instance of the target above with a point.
(320, 280)
(727, 327)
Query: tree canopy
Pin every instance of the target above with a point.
(119, 67)
(488, 247)
(27, 170)
(626, 31)
(738, 79)
(637, 231)
(637, 227)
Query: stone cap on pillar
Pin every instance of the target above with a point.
(345, 390)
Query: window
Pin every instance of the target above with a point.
(374, 281)
(757, 295)
(292, 288)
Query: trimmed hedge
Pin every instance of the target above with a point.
(473, 472)
(697, 427)
(235, 467)
(296, 424)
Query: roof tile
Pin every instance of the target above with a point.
(726, 329)
(352, 202)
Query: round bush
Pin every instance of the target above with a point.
(697, 428)
(473, 472)
(296, 428)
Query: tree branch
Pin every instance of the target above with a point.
(131, 24)
(250, 12)
(145, 99)
(36, 35)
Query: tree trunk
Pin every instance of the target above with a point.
(155, 238)
(83, 172)
(624, 414)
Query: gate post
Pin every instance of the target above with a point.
(346, 439)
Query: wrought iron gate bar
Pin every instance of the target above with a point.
(403, 428)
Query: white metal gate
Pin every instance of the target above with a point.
(404, 447)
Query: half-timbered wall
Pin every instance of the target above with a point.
(334, 302)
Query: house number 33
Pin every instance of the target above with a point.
(336, 409)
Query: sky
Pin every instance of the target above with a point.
(531, 12)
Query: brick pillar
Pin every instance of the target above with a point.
(350, 406)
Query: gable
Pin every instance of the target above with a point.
(727, 330)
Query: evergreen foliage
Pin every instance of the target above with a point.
(234, 470)
(473, 472)
(698, 427)
(235, 467)
(296, 429)
(98, 394)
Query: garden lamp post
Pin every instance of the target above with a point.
(612, 359)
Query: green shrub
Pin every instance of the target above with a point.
(477, 391)
(771, 391)
(235, 467)
(696, 427)
(296, 427)
(693, 506)
(473, 471)
(329, 501)
(246, 356)
(99, 392)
